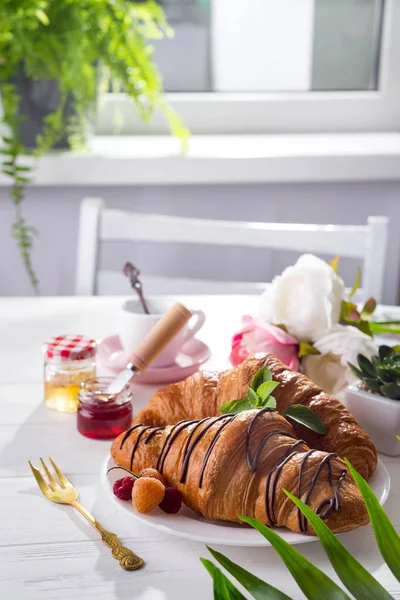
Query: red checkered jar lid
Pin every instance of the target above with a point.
(70, 347)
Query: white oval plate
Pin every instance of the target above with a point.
(193, 526)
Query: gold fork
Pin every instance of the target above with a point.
(63, 492)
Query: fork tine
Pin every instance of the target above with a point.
(39, 479)
(50, 477)
(60, 474)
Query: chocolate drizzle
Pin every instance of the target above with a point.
(136, 444)
(324, 509)
(152, 434)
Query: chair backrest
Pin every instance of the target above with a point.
(99, 224)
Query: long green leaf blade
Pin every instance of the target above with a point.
(357, 283)
(387, 538)
(258, 588)
(356, 579)
(314, 584)
(223, 588)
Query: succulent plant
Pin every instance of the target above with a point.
(380, 374)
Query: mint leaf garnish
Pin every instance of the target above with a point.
(305, 416)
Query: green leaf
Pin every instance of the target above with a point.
(252, 396)
(357, 283)
(268, 402)
(356, 371)
(265, 389)
(377, 328)
(386, 352)
(356, 579)
(314, 584)
(387, 538)
(372, 384)
(258, 588)
(307, 349)
(236, 406)
(398, 437)
(366, 365)
(368, 309)
(397, 348)
(391, 390)
(41, 15)
(307, 417)
(334, 263)
(223, 588)
(260, 377)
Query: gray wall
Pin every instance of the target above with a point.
(54, 212)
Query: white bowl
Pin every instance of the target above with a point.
(379, 416)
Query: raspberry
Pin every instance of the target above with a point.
(172, 501)
(147, 494)
(152, 473)
(122, 488)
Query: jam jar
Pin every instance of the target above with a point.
(101, 415)
(69, 360)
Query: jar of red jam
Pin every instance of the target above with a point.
(103, 416)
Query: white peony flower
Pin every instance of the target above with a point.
(338, 347)
(306, 298)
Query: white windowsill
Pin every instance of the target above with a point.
(155, 160)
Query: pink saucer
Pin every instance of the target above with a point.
(112, 359)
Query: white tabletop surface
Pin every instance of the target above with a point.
(48, 551)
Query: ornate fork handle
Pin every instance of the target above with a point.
(127, 559)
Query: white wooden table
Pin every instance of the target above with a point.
(49, 551)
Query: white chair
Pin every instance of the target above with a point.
(100, 224)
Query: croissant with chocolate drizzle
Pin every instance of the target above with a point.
(240, 465)
(202, 394)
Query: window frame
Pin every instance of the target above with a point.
(290, 112)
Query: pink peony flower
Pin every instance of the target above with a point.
(258, 336)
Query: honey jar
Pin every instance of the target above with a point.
(69, 360)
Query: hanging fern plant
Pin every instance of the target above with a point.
(69, 42)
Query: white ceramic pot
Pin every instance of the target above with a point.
(262, 45)
(379, 416)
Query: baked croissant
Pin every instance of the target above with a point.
(202, 394)
(240, 464)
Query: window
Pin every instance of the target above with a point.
(279, 66)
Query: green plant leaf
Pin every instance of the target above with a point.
(260, 377)
(307, 349)
(258, 588)
(386, 352)
(398, 437)
(264, 390)
(391, 390)
(314, 584)
(366, 366)
(334, 263)
(396, 348)
(372, 384)
(42, 17)
(305, 416)
(368, 309)
(268, 402)
(356, 371)
(357, 283)
(356, 579)
(378, 327)
(223, 588)
(364, 326)
(252, 396)
(387, 538)
(236, 406)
